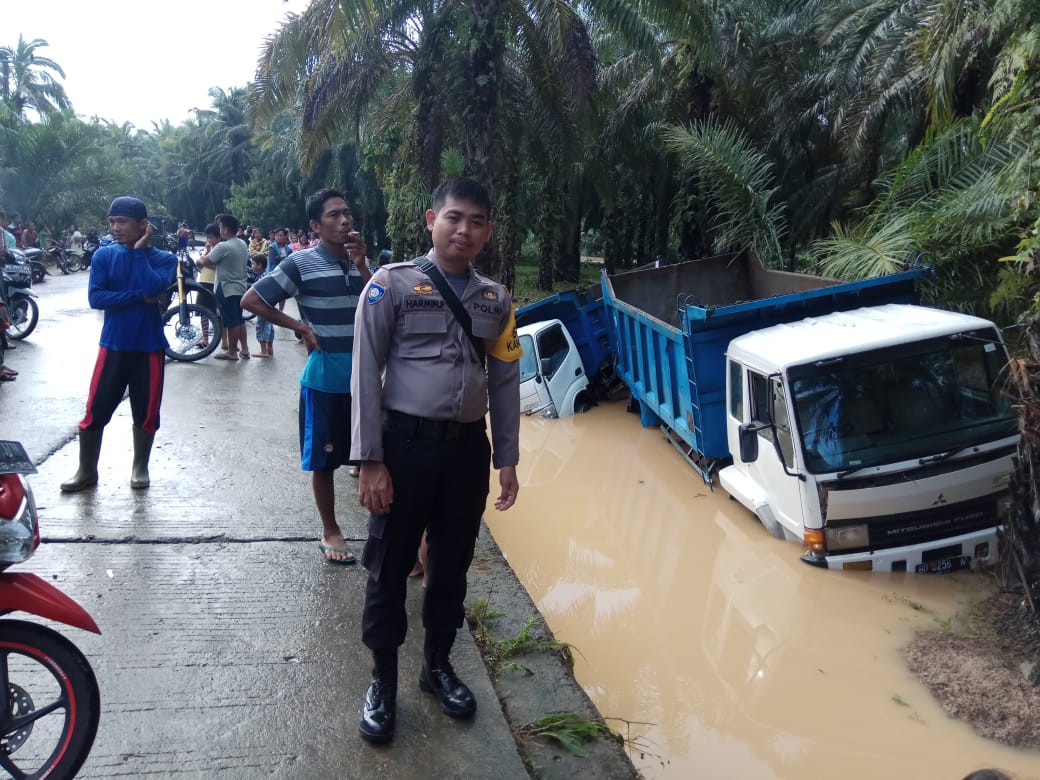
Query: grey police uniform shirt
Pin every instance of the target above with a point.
(411, 355)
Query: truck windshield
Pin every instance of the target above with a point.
(528, 361)
(920, 400)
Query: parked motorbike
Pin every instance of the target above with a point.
(90, 245)
(50, 705)
(64, 261)
(21, 300)
(34, 257)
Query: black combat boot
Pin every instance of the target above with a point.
(439, 678)
(379, 710)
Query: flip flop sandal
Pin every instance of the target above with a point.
(225, 356)
(348, 561)
(244, 355)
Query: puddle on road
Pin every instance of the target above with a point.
(686, 615)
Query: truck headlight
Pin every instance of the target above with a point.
(848, 537)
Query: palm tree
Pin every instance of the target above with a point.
(429, 74)
(26, 81)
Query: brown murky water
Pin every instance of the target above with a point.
(728, 656)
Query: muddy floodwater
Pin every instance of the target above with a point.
(726, 654)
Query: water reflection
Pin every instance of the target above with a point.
(688, 616)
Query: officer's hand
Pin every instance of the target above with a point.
(510, 487)
(375, 488)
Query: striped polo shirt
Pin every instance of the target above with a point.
(326, 294)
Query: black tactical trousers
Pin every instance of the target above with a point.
(440, 486)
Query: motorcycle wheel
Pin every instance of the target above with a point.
(192, 331)
(39, 272)
(73, 262)
(24, 316)
(49, 706)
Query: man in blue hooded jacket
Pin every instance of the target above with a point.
(126, 279)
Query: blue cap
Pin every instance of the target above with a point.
(126, 206)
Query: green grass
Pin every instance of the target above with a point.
(498, 653)
(568, 729)
(527, 276)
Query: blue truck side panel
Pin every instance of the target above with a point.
(670, 345)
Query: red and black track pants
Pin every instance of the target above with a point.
(114, 372)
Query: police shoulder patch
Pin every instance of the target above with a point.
(376, 291)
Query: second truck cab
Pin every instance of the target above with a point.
(552, 378)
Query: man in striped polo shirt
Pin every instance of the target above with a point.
(326, 281)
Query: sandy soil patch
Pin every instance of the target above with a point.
(984, 671)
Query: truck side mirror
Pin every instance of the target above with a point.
(748, 435)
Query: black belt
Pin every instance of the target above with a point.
(436, 430)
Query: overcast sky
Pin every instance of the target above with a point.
(146, 60)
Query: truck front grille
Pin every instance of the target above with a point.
(926, 525)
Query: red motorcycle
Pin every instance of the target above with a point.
(49, 700)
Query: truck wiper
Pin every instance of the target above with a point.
(939, 457)
(846, 472)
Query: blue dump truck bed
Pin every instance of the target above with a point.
(584, 318)
(670, 327)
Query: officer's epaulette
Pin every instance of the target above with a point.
(402, 264)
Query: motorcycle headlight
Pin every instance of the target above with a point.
(20, 536)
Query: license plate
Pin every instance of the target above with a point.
(944, 565)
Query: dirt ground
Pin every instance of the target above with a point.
(982, 671)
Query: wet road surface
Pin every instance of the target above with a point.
(227, 645)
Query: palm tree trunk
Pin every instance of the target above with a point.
(485, 64)
(509, 236)
(548, 235)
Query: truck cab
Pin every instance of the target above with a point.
(552, 378)
(879, 436)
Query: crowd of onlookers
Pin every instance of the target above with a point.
(266, 251)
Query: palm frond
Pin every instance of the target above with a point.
(737, 180)
(853, 252)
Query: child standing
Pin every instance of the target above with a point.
(264, 329)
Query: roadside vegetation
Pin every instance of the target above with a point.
(842, 136)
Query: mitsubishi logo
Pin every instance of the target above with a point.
(940, 499)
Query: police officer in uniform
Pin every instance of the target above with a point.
(421, 389)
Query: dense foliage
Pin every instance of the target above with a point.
(846, 137)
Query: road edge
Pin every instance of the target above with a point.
(538, 683)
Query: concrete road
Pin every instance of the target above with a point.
(228, 646)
